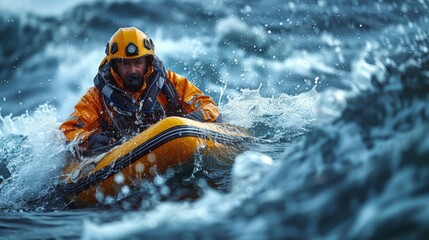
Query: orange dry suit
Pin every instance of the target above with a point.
(106, 107)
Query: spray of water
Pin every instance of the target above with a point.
(31, 150)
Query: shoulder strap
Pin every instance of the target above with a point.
(149, 99)
(117, 97)
(174, 106)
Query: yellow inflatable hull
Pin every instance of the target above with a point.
(167, 144)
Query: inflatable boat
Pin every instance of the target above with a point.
(168, 144)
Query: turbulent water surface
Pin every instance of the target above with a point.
(335, 93)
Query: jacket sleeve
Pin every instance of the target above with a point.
(86, 118)
(193, 100)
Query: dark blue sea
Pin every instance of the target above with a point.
(336, 94)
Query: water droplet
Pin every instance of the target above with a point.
(151, 157)
(125, 190)
(159, 181)
(99, 195)
(109, 200)
(139, 167)
(119, 178)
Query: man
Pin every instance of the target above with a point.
(132, 91)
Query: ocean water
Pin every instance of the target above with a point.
(336, 92)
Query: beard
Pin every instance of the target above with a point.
(133, 82)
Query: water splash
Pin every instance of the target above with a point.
(275, 117)
(32, 154)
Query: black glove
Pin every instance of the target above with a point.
(196, 116)
(99, 140)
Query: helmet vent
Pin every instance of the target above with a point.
(106, 51)
(152, 44)
(147, 44)
(114, 48)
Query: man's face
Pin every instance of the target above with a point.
(131, 72)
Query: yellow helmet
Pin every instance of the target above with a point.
(129, 43)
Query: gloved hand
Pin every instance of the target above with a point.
(99, 140)
(196, 116)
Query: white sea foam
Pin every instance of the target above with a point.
(280, 112)
(37, 164)
(75, 73)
